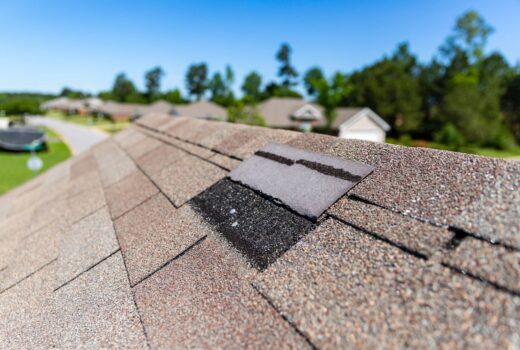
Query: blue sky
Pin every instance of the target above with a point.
(46, 45)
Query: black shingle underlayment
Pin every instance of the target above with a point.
(307, 182)
(258, 228)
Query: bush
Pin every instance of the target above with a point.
(503, 140)
(450, 136)
(245, 115)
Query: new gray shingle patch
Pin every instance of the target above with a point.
(307, 182)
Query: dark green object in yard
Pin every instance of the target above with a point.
(22, 139)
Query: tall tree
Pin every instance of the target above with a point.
(391, 90)
(329, 94)
(252, 87)
(153, 82)
(311, 76)
(511, 103)
(470, 35)
(286, 72)
(221, 87)
(173, 96)
(474, 84)
(197, 80)
(123, 88)
(217, 87)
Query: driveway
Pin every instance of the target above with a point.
(77, 137)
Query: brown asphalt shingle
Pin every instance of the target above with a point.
(412, 234)
(422, 253)
(186, 177)
(96, 310)
(128, 193)
(210, 305)
(84, 244)
(344, 289)
(492, 263)
(154, 233)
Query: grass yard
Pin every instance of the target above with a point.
(13, 168)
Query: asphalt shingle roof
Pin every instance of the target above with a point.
(144, 241)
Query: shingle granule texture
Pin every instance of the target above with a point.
(431, 185)
(495, 214)
(85, 203)
(164, 155)
(154, 233)
(344, 289)
(203, 300)
(27, 313)
(96, 310)
(186, 178)
(245, 143)
(84, 244)
(113, 163)
(259, 229)
(142, 147)
(154, 121)
(128, 193)
(399, 229)
(492, 263)
(144, 241)
(31, 254)
(225, 162)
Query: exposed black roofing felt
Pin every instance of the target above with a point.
(257, 227)
(307, 182)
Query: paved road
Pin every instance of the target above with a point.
(77, 137)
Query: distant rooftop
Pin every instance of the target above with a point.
(182, 233)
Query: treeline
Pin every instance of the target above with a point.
(21, 103)
(463, 97)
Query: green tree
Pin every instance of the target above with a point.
(329, 94)
(391, 89)
(252, 87)
(173, 96)
(71, 93)
(217, 87)
(123, 88)
(153, 83)
(311, 76)
(470, 35)
(197, 80)
(286, 72)
(240, 113)
(221, 87)
(511, 104)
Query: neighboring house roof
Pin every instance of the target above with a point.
(57, 103)
(201, 109)
(145, 241)
(278, 112)
(161, 107)
(349, 115)
(119, 108)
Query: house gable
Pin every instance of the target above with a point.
(306, 112)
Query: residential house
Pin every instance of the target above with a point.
(296, 113)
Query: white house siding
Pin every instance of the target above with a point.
(363, 129)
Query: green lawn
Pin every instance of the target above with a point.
(102, 124)
(13, 168)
